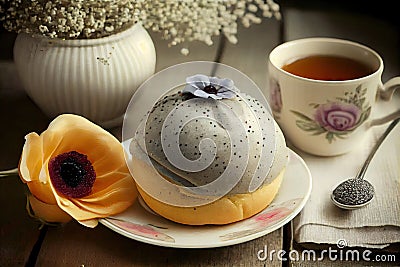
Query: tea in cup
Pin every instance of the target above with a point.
(323, 90)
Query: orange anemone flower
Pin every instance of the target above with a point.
(75, 169)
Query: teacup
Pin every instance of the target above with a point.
(327, 117)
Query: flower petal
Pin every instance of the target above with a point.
(31, 159)
(225, 93)
(90, 223)
(71, 132)
(48, 212)
(31, 168)
(226, 83)
(201, 93)
(42, 191)
(109, 201)
(196, 82)
(199, 81)
(189, 89)
(114, 189)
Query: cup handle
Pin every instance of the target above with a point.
(386, 93)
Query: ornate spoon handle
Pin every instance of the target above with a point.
(364, 168)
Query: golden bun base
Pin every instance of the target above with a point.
(225, 210)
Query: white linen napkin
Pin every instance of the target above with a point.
(375, 226)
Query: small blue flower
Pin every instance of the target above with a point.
(210, 87)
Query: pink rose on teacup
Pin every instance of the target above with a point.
(338, 117)
(275, 96)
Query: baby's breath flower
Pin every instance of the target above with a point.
(178, 21)
(200, 20)
(68, 19)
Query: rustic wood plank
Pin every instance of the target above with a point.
(18, 232)
(75, 245)
(18, 116)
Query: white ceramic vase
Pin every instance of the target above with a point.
(94, 78)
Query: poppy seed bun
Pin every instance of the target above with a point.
(228, 209)
(265, 160)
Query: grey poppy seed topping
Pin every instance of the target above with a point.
(193, 119)
(354, 192)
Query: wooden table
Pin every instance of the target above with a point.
(22, 242)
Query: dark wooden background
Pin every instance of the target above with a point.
(23, 243)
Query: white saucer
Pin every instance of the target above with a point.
(140, 224)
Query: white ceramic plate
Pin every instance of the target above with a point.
(141, 224)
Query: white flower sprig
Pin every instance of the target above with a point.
(178, 21)
(68, 19)
(200, 20)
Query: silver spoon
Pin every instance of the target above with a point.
(356, 192)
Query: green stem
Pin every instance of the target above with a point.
(8, 173)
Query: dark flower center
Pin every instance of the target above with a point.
(210, 89)
(72, 174)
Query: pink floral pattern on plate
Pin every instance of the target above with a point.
(261, 221)
(140, 223)
(149, 231)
